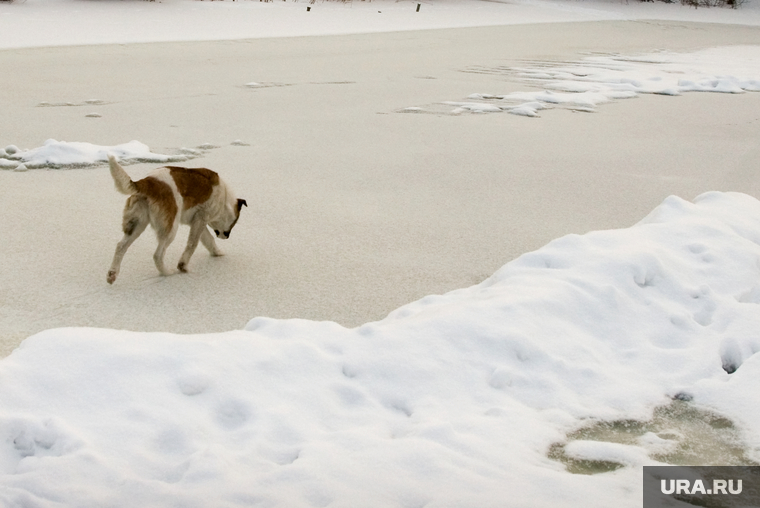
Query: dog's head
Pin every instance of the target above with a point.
(223, 227)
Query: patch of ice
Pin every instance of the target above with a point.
(527, 109)
(587, 83)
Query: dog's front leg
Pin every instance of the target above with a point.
(165, 238)
(196, 231)
(158, 257)
(207, 239)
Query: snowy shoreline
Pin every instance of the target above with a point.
(45, 23)
(454, 399)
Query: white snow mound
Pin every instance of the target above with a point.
(61, 154)
(452, 400)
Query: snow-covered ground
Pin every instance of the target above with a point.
(453, 400)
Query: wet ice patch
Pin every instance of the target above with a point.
(62, 154)
(585, 84)
(679, 434)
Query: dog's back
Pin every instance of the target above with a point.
(173, 187)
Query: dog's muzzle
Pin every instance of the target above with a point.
(223, 235)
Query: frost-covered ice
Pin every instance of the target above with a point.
(452, 400)
(585, 84)
(62, 154)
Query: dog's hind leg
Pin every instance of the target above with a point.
(163, 244)
(207, 239)
(134, 223)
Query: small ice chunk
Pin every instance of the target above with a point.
(536, 105)
(662, 443)
(21, 167)
(11, 149)
(524, 110)
(609, 452)
(536, 75)
(583, 109)
(573, 87)
(484, 96)
(476, 107)
(668, 91)
(620, 94)
(93, 115)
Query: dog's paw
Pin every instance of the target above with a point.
(182, 267)
(217, 253)
(111, 277)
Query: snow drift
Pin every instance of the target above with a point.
(452, 400)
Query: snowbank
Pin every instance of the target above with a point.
(452, 400)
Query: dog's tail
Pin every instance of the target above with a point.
(121, 179)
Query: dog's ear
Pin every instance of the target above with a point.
(241, 203)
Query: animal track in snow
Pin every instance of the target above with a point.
(232, 414)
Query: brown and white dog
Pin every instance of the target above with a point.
(168, 197)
